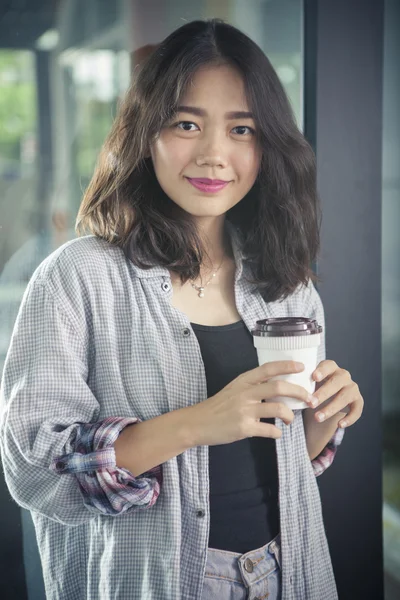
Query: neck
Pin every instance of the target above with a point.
(216, 242)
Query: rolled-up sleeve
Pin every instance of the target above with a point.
(105, 487)
(327, 455)
(49, 417)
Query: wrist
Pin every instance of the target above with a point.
(189, 427)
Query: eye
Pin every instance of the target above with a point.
(185, 123)
(185, 126)
(244, 127)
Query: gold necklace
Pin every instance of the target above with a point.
(200, 288)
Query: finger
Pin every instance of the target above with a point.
(269, 410)
(271, 369)
(330, 410)
(343, 400)
(323, 369)
(352, 416)
(279, 387)
(336, 382)
(259, 429)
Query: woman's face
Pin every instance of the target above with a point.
(208, 143)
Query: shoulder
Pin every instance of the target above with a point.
(310, 296)
(78, 277)
(78, 256)
(305, 301)
(312, 303)
(74, 272)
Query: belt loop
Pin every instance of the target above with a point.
(274, 549)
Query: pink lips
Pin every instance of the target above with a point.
(208, 185)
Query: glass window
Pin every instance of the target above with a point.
(79, 67)
(391, 298)
(63, 68)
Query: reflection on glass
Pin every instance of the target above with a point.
(94, 80)
(18, 180)
(59, 95)
(391, 300)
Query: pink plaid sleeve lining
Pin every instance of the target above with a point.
(106, 487)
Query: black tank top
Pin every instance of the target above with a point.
(243, 475)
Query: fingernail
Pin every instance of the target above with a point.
(318, 375)
(312, 400)
(320, 416)
(343, 424)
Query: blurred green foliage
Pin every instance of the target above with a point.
(17, 100)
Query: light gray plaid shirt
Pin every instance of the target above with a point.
(97, 338)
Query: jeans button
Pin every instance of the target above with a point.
(248, 565)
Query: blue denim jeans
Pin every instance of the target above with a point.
(255, 575)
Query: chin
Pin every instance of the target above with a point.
(206, 213)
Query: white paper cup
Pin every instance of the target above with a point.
(289, 338)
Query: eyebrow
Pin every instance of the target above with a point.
(200, 112)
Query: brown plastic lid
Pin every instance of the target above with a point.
(286, 327)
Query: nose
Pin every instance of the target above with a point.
(212, 153)
(212, 159)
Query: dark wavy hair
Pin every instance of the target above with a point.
(278, 218)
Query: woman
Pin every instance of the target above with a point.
(132, 424)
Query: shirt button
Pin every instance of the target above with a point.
(200, 513)
(165, 286)
(248, 565)
(60, 464)
(186, 332)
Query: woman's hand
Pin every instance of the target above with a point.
(337, 382)
(236, 411)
